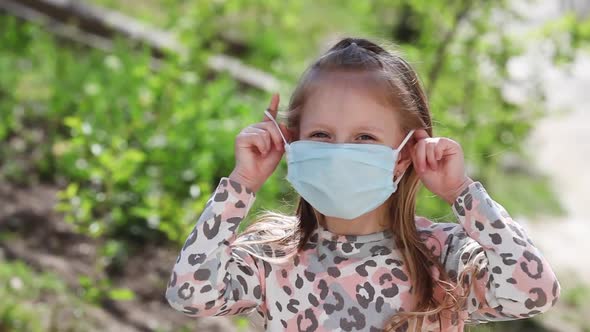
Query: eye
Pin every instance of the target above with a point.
(319, 134)
(366, 137)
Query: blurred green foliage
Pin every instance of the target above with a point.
(97, 291)
(576, 298)
(570, 33)
(139, 150)
(25, 295)
(13, 315)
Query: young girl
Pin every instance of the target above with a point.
(358, 141)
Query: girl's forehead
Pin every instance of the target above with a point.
(357, 86)
(347, 97)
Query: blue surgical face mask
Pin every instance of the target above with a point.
(343, 180)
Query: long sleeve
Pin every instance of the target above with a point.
(211, 278)
(515, 280)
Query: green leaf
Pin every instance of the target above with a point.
(121, 294)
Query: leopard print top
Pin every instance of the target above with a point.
(357, 283)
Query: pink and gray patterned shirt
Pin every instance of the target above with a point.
(357, 283)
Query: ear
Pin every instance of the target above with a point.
(404, 160)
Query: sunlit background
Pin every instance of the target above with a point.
(118, 117)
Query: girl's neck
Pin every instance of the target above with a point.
(370, 222)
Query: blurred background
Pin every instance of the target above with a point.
(118, 117)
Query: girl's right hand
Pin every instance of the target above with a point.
(259, 149)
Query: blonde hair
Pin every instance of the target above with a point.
(277, 238)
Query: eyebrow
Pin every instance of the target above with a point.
(370, 128)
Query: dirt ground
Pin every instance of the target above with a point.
(47, 243)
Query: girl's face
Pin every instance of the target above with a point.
(341, 110)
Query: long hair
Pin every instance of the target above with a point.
(278, 237)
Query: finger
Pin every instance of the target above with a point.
(430, 157)
(420, 150)
(420, 134)
(265, 137)
(259, 138)
(447, 147)
(255, 139)
(273, 107)
(270, 127)
(439, 150)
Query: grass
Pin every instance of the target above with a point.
(575, 302)
(36, 301)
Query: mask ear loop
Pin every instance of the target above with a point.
(267, 113)
(401, 146)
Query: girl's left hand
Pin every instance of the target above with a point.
(440, 165)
